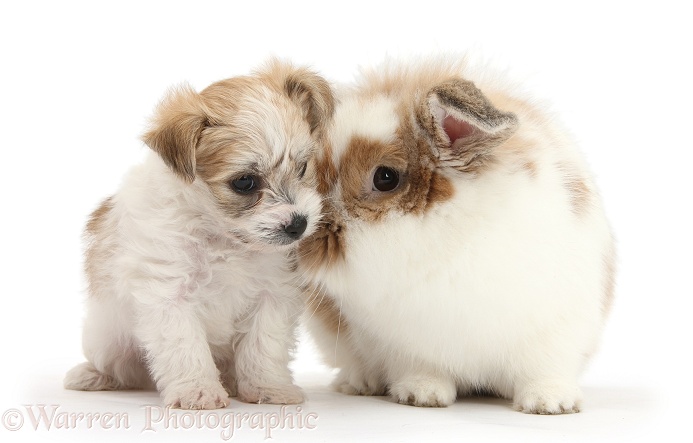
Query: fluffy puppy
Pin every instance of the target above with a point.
(465, 248)
(190, 264)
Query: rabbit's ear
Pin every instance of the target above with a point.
(463, 124)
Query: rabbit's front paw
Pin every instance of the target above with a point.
(548, 398)
(352, 382)
(424, 391)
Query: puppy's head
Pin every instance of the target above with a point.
(398, 145)
(248, 143)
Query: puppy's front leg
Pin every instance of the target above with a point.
(263, 352)
(179, 356)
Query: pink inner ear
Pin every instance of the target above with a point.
(457, 129)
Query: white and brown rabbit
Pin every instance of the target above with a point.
(465, 248)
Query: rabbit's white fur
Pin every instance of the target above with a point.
(496, 277)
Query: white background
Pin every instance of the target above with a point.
(79, 80)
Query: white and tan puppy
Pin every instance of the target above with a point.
(190, 263)
(465, 248)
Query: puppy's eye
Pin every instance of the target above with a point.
(385, 179)
(245, 184)
(302, 171)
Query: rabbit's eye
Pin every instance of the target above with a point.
(385, 179)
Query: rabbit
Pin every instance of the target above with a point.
(464, 247)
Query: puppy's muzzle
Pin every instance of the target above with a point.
(297, 227)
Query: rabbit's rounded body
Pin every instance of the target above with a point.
(497, 280)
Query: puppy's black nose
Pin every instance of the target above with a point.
(297, 227)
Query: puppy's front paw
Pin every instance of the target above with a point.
(276, 395)
(548, 398)
(211, 395)
(424, 391)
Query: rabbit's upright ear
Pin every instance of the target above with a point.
(463, 124)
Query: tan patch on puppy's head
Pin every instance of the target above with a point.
(250, 140)
(176, 129)
(182, 117)
(312, 92)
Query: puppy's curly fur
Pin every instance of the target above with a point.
(190, 264)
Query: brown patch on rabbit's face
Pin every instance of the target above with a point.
(345, 176)
(530, 168)
(420, 185)
(579, 192)
(360, 162)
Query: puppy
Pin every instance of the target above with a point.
(190, 264)
(464, 246)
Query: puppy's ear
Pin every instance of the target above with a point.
(463, 124)
(175, 130)
(313, 94)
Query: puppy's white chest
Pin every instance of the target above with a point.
(238, 286)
